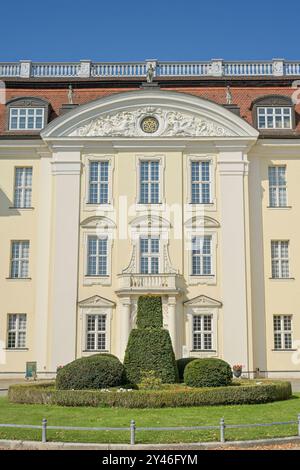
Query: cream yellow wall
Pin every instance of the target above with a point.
(17, 295)
(175, 194)
(274, 296)
(266, 297)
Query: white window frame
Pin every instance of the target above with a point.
(191, 311)
(283, 332)
(150, 255)
(202, 256)
(20, 260)
(277, 187)
(212, 206)
(139, 228)
(201, 279)
(17, 330)
(273, 127)
(161, 205)
(97, 255)
(23, 188)
(102, 280)
(26, 128)
(202, 331)
(99, 310)
(99, 158)
(280, 259)
(101, 227)
(95, 332)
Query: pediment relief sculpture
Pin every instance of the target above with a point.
(170, 123)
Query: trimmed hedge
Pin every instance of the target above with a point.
(181, 365)
(92, 372)
(150, 349)
(208, 372)
(149, 346)
(230, 395)
(149, 312)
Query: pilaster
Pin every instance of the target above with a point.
(66, 169)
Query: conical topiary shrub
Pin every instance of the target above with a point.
(149, 345)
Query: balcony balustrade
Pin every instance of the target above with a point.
(87, 68)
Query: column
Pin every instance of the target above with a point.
(125, 324)
(66, 168)
(43, 263)
(172, 321)
(233, 166)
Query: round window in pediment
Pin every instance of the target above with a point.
(149, 125)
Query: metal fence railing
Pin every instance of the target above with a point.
(133, 429)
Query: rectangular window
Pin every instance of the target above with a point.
(280, 259)
(277, 186)
(149, 255)
(19, 259)
(97, 256)
(16, 331)
(26, 118)
(23, 187)
(282, 331)
(273, 117)
(202, 255)
(98, 182)
(149, 182)
(96, 333)
(202, 332)
(201, 182)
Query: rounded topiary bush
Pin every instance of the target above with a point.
(181, 365)
(97, 371)
(208, 372)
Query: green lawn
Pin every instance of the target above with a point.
(197, 416)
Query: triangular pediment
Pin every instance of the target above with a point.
(96, 301)
(203, 301)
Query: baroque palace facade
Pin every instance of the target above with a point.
(172, 179)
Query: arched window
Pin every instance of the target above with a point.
(273, 112)
(27, 114)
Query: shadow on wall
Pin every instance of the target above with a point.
(6, 206)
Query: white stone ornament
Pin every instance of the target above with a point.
(171, 124)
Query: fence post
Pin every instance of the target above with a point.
(299, 424)
(44, 431)
(222, 430)
(132, 432)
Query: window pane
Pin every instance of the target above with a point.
(98, 183)
(149, 182)
(200, 182)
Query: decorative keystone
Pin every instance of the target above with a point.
(278, 67)
(25, 70)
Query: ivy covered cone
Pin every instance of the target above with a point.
(149, 346)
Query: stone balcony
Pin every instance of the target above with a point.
(169, 283)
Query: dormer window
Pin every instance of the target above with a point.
(26, 118)
(27, 114)
(273, 113)
(274, 117)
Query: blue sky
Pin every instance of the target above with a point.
(113, 30)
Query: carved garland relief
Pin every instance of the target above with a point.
(151, 121)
